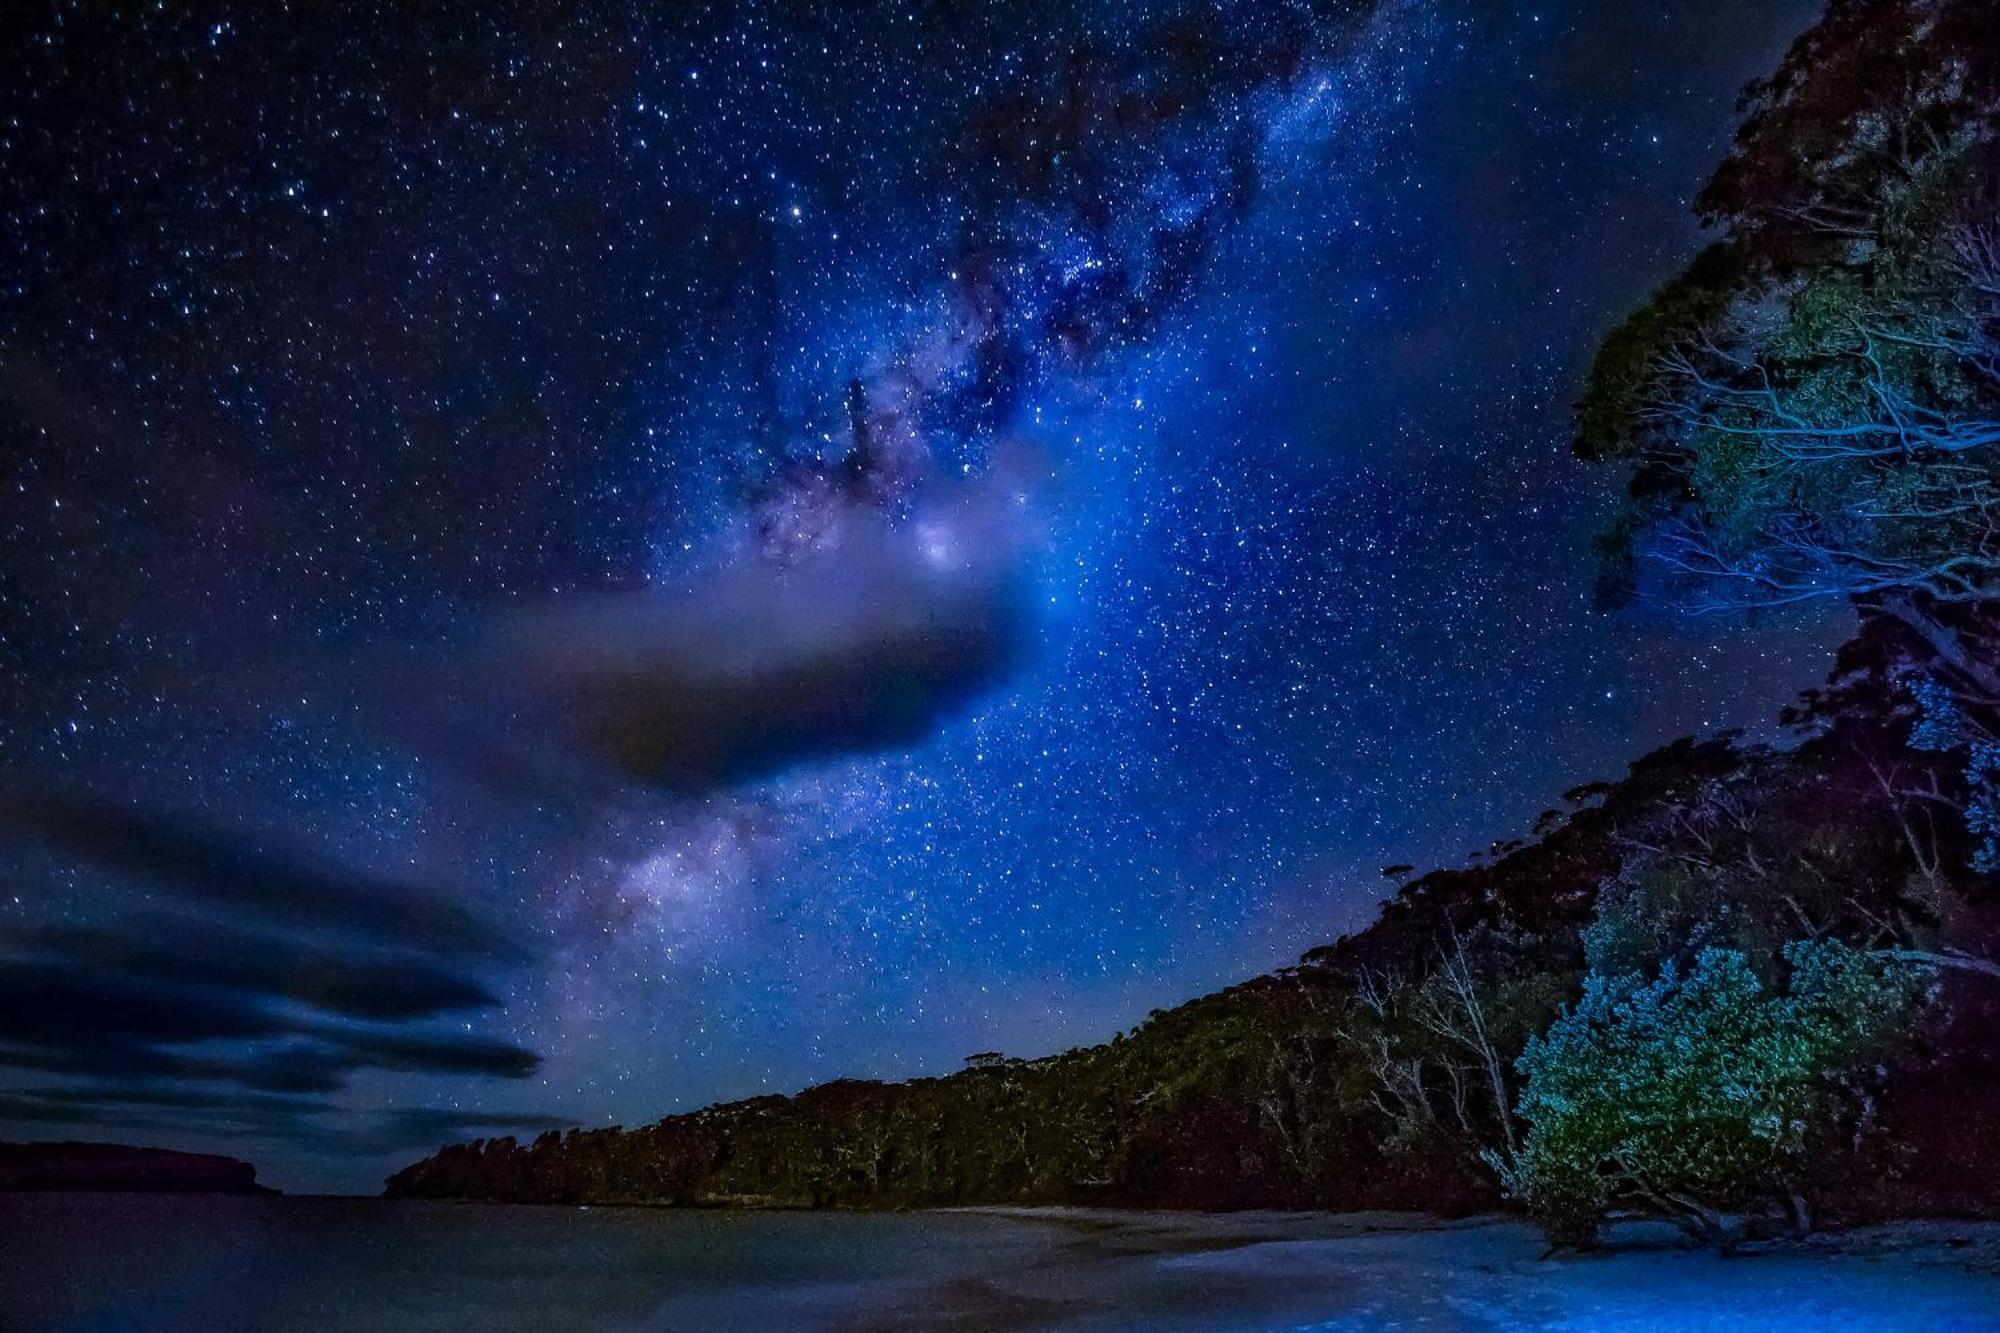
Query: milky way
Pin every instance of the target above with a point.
(724, 548)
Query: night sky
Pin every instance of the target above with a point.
(557, 571)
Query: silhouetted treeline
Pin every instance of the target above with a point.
(1322, 1084)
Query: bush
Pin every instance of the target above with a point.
(1685, 1095)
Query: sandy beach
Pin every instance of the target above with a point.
(111, 1261)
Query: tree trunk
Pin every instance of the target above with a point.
(1801, 1216)
(1944, 642)
(1958, 962)
(1705, 1224)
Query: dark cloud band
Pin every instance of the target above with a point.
(218, 867)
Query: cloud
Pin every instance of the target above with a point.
(95, 1020)
(248, 875)
(293, 1067)
(50, 1004)
(422, 1128)
(149, 1011)
(377, 985)
(173, 1113)
(22, 1109)
(440, 1053)
(866, 642)
(112, 1094)
(302, 1064)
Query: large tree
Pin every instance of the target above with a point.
(1811, 410)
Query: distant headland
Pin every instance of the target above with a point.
(114, 1166)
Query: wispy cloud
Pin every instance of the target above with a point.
(316, 973)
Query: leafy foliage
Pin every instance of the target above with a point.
(1945, 726)
(1687, 1092)
(1812, 409)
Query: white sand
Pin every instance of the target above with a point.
(1367, 1272)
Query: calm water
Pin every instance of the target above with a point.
(105, 1262)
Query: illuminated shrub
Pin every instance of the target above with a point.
(1688, 1094)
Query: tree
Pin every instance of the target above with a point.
(1684, 1095)
(1841, 439)
(1812, 407)
(1811, 410)
(1437, 1048)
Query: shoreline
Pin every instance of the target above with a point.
(996, 1267)
(1972, 1241)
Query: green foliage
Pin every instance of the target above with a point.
(1687, 1093)
(1650, 913)
(1812, 408)
(1622, 374)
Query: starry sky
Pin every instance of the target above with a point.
(557, 570)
